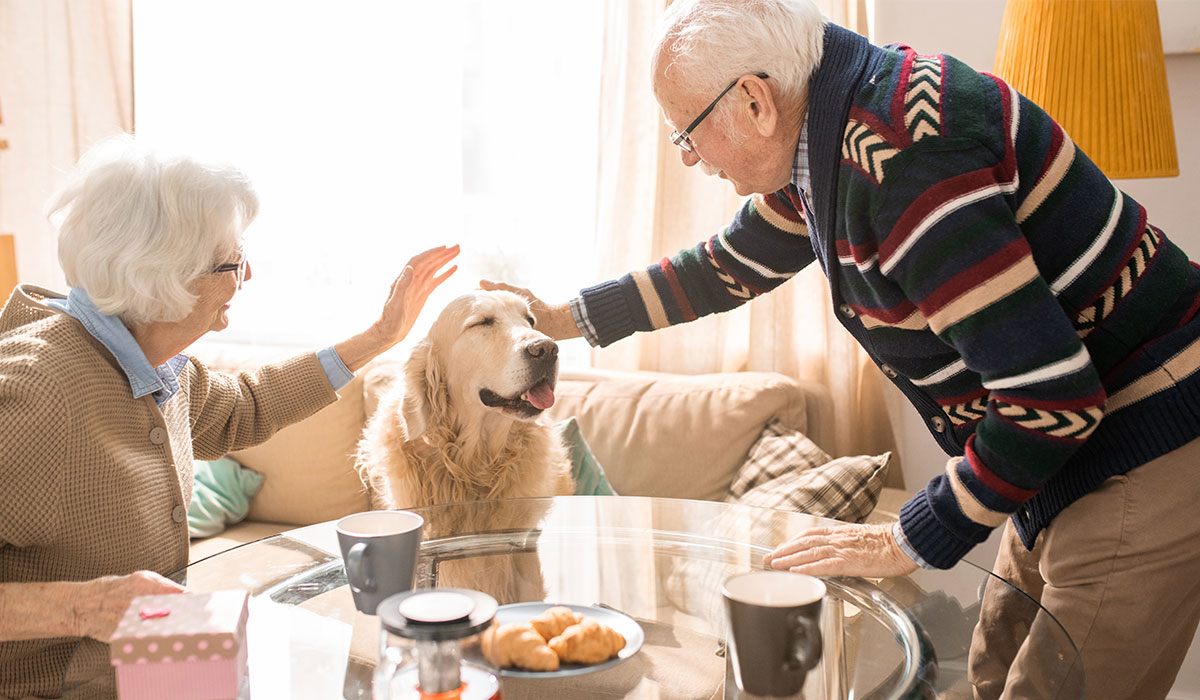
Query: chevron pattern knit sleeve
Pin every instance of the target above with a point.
(766, 245)
(959, 264)
(958, 254)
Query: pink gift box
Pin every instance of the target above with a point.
(188, 646)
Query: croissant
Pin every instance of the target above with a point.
(518, 644)
(587, 642)
(552, 622)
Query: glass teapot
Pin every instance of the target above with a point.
(429, 646)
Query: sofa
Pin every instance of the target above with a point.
(654, 434)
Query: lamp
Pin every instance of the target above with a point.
(1096, 66)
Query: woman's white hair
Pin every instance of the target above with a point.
(704, 44)
(137, 227)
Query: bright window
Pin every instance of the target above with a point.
(375, 129)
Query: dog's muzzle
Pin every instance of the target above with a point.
(543, 356)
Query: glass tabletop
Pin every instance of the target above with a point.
(662, 562)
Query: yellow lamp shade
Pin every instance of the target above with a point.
(1096, 66)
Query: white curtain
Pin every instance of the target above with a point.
(650, 206)
(66, 81)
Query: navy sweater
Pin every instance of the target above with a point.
(1042, 325)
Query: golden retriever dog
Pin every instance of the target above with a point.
(466, 423)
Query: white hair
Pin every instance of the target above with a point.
(136, 227)
(704, 44)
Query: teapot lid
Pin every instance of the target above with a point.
(437, 614)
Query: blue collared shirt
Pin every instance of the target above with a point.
(163, 381)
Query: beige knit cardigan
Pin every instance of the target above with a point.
(94, 482)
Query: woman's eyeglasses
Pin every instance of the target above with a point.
(239, 267)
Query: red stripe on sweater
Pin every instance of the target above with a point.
(895, 314)
(933, 198)
(778, 206)
(859, 253)
(1008, 167)
(1095, 400)
(879, 128)
(898, 107)
(708, 248)
(975, 275)
(1056, 142)
(993, 482)
(681, 300)
(964, 398)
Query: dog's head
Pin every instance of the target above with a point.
(481, 355)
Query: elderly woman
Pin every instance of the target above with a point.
(101, 413)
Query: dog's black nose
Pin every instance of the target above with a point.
(545, 350)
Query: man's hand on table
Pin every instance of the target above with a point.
(848, 550)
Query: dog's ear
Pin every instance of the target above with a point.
(422, 389)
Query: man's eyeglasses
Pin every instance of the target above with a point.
(683, 139)
(239, 267)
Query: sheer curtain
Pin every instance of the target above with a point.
(66, 81)
(650, 206)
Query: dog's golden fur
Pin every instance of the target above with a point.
(434, 440)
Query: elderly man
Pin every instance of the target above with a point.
(1032, 313)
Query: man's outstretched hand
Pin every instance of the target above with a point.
(554, 320)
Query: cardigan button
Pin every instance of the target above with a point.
(846, 310)
(888, 371)
(158, 436)
(179, 514)
(938, 424)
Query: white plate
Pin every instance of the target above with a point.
(622, 623)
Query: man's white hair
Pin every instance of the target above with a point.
(704, 44)
(137, 227)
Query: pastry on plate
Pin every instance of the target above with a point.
(553, 621)
(587, 642)
(518, 644)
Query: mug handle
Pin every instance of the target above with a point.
(357, 571)
(806, 644)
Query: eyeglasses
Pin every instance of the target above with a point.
(683, 139)
(239, 267)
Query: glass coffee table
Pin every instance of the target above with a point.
(660, 561)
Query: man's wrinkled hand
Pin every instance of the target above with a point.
(848, 550)
(555, 320)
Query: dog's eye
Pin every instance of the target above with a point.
(485, 321)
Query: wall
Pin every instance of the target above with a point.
(969, 30)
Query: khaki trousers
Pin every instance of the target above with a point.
(1120, 570)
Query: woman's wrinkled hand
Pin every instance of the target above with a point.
(848, 550)
(555, 320)
(410, 291)
(101, 603)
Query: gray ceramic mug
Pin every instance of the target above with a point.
(774, 630)
(379, 550)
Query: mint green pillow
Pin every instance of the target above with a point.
(221, 495)
(589, 475)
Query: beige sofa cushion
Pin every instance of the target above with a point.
(675, 435)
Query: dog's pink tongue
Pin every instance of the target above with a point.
(541, 396)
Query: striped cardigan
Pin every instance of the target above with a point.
(1042, 326)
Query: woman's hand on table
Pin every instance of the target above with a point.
(101, 603)
(848, 550)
